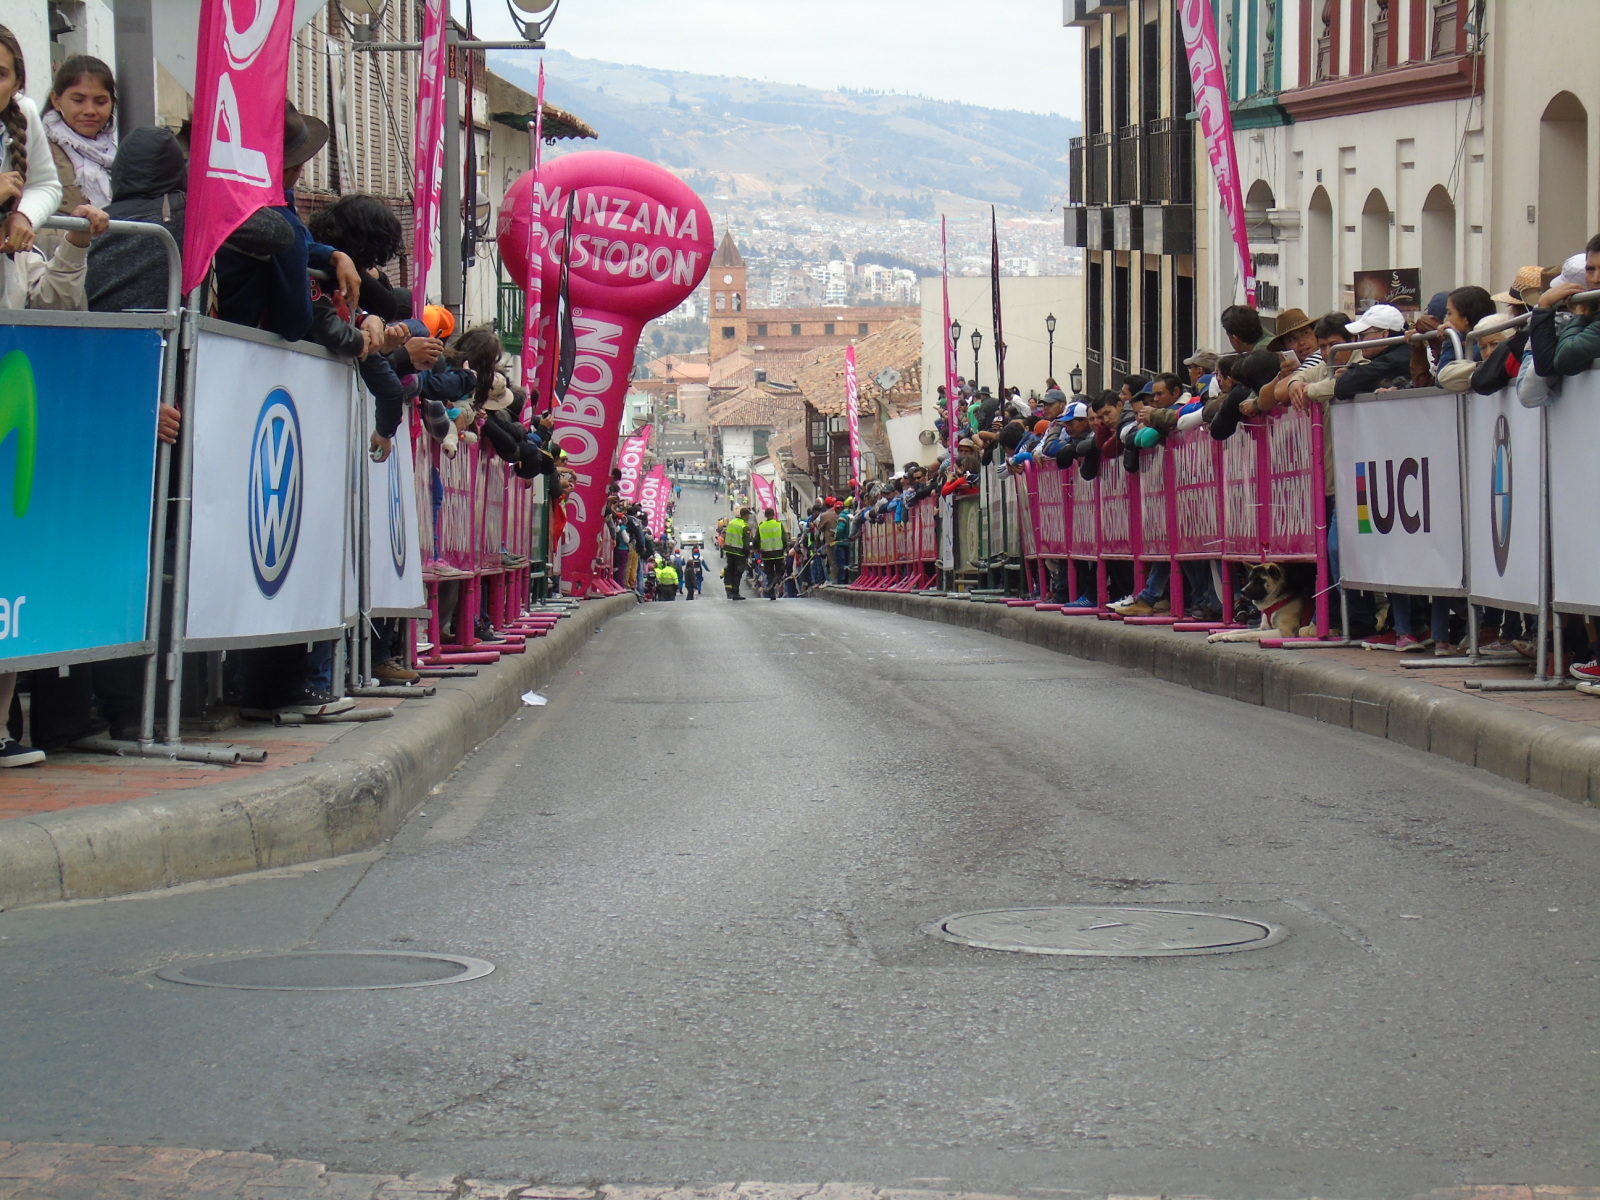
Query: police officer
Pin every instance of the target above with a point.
(666, 581)
(774, 550)
(735, 552)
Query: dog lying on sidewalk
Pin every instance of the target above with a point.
(1285, 610)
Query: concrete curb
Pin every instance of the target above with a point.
(1542, 752)
(352, 796)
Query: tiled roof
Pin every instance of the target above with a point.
(898, 347)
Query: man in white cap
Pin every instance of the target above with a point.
(1389, 366)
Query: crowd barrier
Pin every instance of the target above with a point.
(276, 528)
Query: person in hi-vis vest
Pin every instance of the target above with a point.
(736, 552)
(774, 550)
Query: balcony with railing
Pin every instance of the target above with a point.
(1181, 158)
(1075, 167)
(1155, 163)
(1125, 181)
(1444, 28)
(508, 316)
(1100, 168)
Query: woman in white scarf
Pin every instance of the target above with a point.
(83, 98)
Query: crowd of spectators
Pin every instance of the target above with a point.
(323, 281)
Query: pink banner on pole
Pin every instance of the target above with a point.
(642, 241)
(766, 495)
(653, 492)
(952, 392)
(1210, 87)
(428, 164)
(533, 298)
(631, 463)
(853, 411)
(236, 149)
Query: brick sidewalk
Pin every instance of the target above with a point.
(73, 1171)
(69, 779)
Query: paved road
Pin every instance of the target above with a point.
(703, 871)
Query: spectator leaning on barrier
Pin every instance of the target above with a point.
(30, 189)
(78, 121)
(1576, 346)
(1242, 325)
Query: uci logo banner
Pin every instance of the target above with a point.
(276, 488)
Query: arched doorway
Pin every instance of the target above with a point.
(1563, 178)
(1375, 218)
(1258, 201)
(1319, 253)
(1438, 242)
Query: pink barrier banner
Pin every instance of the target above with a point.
(492, 473)
(460, 478)
(1119, 510)
(1049, 497)
(852, 410)
(641, 242)
(766, 495)
(1241, 492)
(653, 492)
(1196, 494)
(927, 550)
(428, 166)
(1210, 89)
(236, 146)
(631, 463)
(1155, 530)
(1292, 532)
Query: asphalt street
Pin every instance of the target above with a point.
(703, 873)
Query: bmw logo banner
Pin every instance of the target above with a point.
(77, 476)
(1505, 462)
(394, 557)
(1397, 492)
(272, 449)
(1574, 432)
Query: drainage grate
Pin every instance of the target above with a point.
(1104, 931)
(329, 971)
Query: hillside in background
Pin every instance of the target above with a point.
(845, 153)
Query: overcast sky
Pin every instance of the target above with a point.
(996, 53)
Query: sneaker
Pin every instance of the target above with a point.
(1082, 602)
(440, 569)
(1496, 648)
(1446, 650)
(314, 702)
(1588, 672)
(1525, 647)
(15, 754)
(1406, 644)
(1380, 641)
(394, 672)
(1163, 606)
(1134, 608)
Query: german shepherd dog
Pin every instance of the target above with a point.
(1285, 609)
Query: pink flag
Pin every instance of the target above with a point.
(952, 393)
(631, 463)
(852, 411)
(1210, 87)
(653, 495)
(428, 179)
(236, 147)
(533, 296)
(766, 495)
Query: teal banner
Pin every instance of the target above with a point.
(77, 471)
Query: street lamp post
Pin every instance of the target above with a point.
(977, 340)
(1050, 328)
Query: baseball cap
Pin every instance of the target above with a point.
(1572, 269)
(1055, 396)
(1075, 411)
(1379, 316)
(1149, 388)
(1206, 360)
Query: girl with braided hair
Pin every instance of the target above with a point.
(29, 188)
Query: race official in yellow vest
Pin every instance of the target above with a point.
(736, 552)
(667, 581)
(774, 540)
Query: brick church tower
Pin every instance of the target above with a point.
(726, 316)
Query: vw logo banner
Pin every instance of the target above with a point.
(75, 497)
(394, 558)
(272, 451)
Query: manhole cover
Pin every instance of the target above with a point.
(1098, 930)
(329, 971)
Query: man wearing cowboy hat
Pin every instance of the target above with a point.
(1296, 334)
(274, 293)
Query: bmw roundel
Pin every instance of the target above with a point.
(1500, 494)
(277, 485)
(397, 518)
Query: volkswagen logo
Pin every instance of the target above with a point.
(397, 518)
(276, 488)
(1500, 494)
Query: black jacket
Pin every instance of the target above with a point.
(1391, 367)
(148, 177)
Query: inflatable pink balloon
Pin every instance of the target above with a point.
(641, 243)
